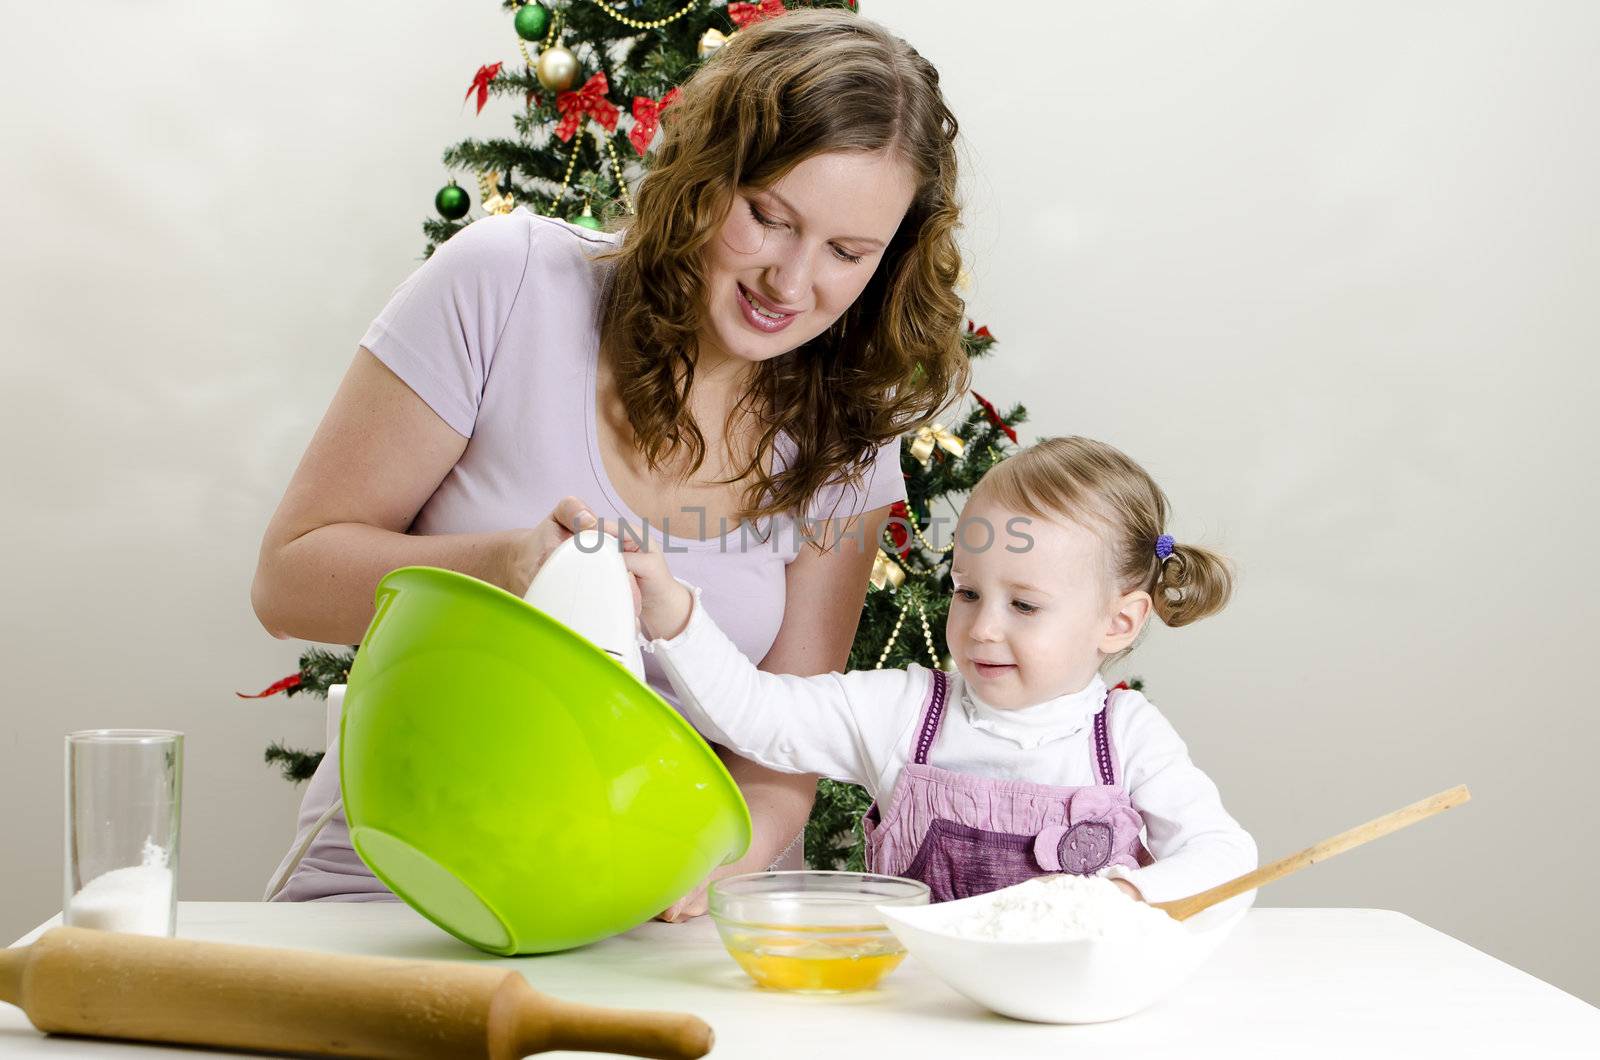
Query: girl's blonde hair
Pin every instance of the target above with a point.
(781, 91)
(1099, 487)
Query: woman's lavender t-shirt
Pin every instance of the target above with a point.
(498, 333)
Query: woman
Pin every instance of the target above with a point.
(751, 348)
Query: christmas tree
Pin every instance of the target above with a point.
(902, 619)
(592, 81)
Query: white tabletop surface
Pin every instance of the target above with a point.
(1290, 982)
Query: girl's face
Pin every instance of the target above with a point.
(1035, 611)
(791, 258)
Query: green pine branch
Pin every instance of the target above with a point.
(294, 765)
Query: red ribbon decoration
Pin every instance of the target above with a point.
(899, 528)
(292, 681)
(480, 84)
(994, 417)
(588, 101)
(647, 117)
(744, 14)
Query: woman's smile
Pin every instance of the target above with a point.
(761, 314)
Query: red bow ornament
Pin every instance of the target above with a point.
(647, 118)
(744, 14)
(994, 416)
(587, 102)
(480, 84)
(900, 528)
(284, 685)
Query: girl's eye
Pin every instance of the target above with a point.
(1025, 608)
(845, 255)
(966, 594)
(762, 219)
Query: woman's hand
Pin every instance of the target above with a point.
(690, 905)
(533, 546)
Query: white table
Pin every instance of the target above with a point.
(1290, 982)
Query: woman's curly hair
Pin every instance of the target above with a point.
(780, 92)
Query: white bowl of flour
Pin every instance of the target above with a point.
(1062, 949)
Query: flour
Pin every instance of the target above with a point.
(137, 899)
(1058, 909)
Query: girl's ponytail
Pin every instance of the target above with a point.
(1191, 583)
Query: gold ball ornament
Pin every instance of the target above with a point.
(557, 69)
(710, 41)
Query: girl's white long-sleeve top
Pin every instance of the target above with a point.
(858, 727)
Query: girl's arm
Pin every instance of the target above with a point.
(838, 724)
(822, 610)
(1196, 844)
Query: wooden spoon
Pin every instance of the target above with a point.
(109, 985)
(1184, 908)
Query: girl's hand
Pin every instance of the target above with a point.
(1129, 889)
(664, 603)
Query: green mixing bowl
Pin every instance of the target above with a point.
(514, 783)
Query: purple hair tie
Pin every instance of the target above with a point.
(1164, 545)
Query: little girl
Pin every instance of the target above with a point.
(1023, 762)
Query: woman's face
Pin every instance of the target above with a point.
(791, 258)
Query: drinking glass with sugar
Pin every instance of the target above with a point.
(124, 793)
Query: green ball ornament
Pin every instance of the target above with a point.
(531, 21)
(587, 219)
(452, 202)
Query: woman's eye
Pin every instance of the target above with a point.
(966, 594)
(845, 255)
(1024, 607)
(762, 219)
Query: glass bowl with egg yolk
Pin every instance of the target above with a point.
(812, 932)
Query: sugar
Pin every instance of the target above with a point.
(1058, 909)
(136, 899)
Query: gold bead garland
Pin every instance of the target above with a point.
(616, 168)
(929, 545)
(633, 23)
(572, 163)
(894, 635)
(927, 636)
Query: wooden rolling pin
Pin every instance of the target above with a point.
(110, 985)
